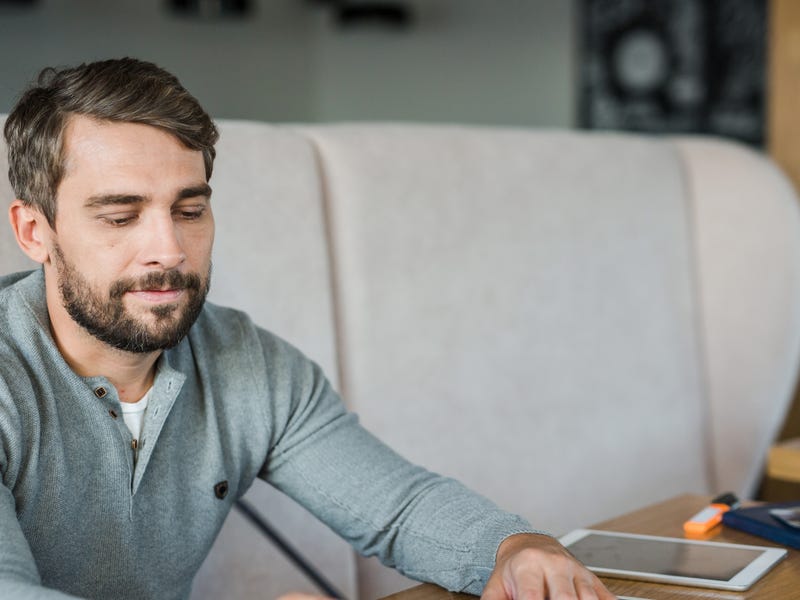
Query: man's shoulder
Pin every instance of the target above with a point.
(222, 322)
(18, 344)
(230, 324)
(221, 329)
(21, 302)
(21, 288)
(11, 281)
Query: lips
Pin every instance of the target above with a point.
(157, 296)
(157, 286)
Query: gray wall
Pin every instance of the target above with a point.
(260, 68)
(507, 62)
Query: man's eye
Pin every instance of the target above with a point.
(191, 214)
(115, 221)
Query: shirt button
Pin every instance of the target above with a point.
(221, 489)
(113, 413)
(100, 392)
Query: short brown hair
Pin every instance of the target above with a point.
(123, 90)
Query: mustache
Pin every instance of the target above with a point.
(157, 280)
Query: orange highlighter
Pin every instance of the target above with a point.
(711, 515)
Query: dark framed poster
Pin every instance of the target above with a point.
(674, 66)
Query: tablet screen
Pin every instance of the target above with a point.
(662, 557)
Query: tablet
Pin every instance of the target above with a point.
(672, 560)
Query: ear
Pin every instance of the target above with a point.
(31, 230)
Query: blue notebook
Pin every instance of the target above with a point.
(758, 521)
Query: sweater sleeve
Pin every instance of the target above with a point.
(430, 528)
(19, 578)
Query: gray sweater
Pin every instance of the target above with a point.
(84, 514)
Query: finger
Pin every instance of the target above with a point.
(599, 588)
(562, 587)
(495, 590)
(586, 588)
(602, 591)
(526, 584)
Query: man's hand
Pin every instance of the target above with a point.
(537, 567)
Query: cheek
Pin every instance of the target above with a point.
(106, 264)
(117, 254)
(198, 245)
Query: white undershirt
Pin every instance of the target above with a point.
(133, 414)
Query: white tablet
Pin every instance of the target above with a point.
(672, 560)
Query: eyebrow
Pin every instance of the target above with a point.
(196, 191)
(112, 199)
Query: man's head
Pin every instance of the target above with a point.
(110, 162)
(121, 90)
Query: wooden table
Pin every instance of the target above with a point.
(666, 518)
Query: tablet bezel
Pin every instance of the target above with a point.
(741, 581)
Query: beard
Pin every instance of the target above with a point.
(107, 319)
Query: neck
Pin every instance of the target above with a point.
(131, 374)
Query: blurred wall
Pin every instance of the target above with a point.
(508, 62)
(254, 68)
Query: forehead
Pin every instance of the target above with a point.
(109, 153)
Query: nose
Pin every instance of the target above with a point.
(163, 246)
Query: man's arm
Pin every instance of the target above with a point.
(429, 527)
(19, 578)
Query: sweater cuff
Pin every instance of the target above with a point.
(494, 534)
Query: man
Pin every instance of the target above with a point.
(133, 414)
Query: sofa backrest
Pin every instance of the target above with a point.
(574, 324)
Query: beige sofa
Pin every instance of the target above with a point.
(574, 324)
